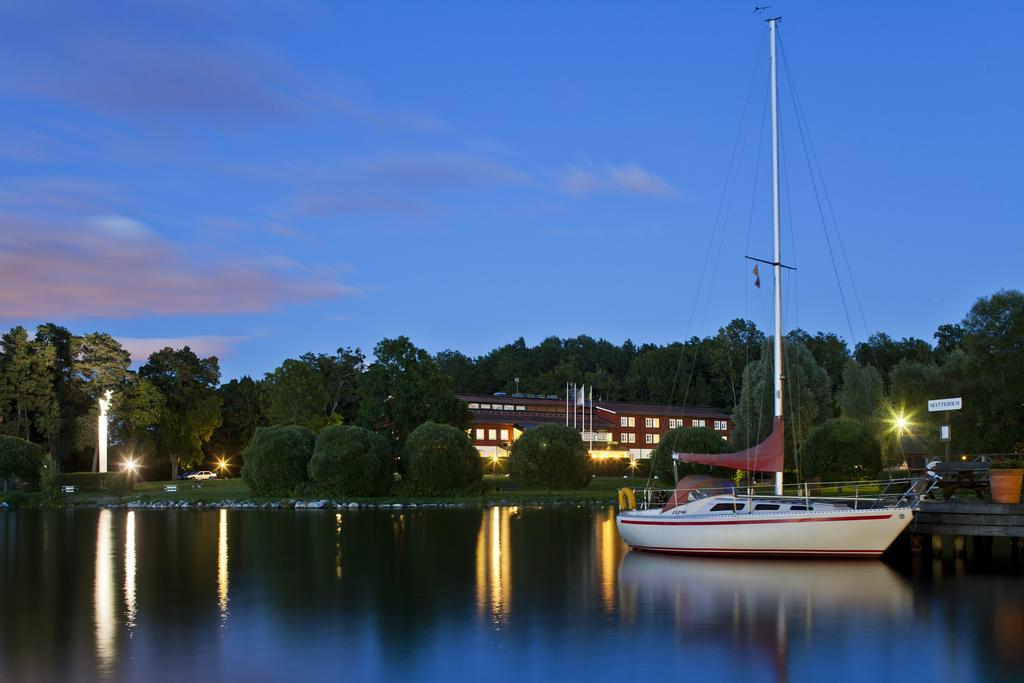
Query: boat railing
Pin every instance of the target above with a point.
(905, 492)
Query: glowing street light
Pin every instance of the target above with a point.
(901, 424)
(130, 466)
(900, 421)
(222, 465)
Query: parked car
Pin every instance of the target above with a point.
(202, 475)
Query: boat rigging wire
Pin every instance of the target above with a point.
(715, 230)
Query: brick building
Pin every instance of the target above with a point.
(620, 430)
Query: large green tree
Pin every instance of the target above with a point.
(315, 389)
(861, 397)
(28, 404)
(136, 412)
(243, 410)
(728, 353)
(885, 353)
(687, 440)
(807, 398)
(988, 371)
(404, 388)
(191, 411)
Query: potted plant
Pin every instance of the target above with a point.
(1005, 478)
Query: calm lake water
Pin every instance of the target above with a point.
(496, 594)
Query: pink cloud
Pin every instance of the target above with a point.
(140, 348)
(114, 266)
(628, 178)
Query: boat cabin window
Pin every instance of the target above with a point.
(766, 506)
(722, 507)
(799, 507)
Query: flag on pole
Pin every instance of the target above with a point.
(581, 400)
(757, 277)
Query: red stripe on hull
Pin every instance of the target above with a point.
(768, 552)
(855, 518)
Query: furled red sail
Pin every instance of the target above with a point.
(764, 457)
(694, 482)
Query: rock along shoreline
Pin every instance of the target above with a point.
(317, 504)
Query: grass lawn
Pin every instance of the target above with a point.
(497, 488)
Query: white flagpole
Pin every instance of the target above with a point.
(566, 404)
(574, 411)
(591, 417)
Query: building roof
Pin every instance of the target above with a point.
(662, 409)
(529, 419)
(653, 409)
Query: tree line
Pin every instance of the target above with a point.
(174, 412)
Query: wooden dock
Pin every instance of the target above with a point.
(978, 520)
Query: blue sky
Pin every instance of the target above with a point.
(263, 179)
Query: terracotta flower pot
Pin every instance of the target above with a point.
(1005, 485)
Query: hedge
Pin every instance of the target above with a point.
(688, 440)
(275, 462)
(841, 450)
(552, 456)
(114, 483)
(19, 459)
(440, 460)
(351, 461)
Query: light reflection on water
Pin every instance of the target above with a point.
(104, 611)
(496, 594)
(129, 571)
(222, 565)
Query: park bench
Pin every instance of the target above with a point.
(69, 489)
(969, 474)
(170, 488)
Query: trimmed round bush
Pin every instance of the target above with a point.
(19, 459)
(841, 450)
(440, 460)
(276, 460)
(552, 456)
(351, 461)
(688, 440)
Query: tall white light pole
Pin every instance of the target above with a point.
(101, 430)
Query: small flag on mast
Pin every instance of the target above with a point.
(757, 277)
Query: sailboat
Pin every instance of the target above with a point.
(700, 518)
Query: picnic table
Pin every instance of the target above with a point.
(966, 474)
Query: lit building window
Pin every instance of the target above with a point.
(632, 422)
(485, 406)
(623, 421)
(624, 438)
(492, 434)
(504, 435)
(699, 423)
(509, 407)
(520, 407)
(479, 435)
(474, 406)
(657, 438)
(657, 423)
(721, 425)
(649, 438)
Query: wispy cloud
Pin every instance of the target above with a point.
(221, 346)
(411, 185)
(116, 266)
(630, 178)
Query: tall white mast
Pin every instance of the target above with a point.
(776, 219)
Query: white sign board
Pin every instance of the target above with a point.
(945, 404)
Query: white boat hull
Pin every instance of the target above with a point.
(845, 533)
